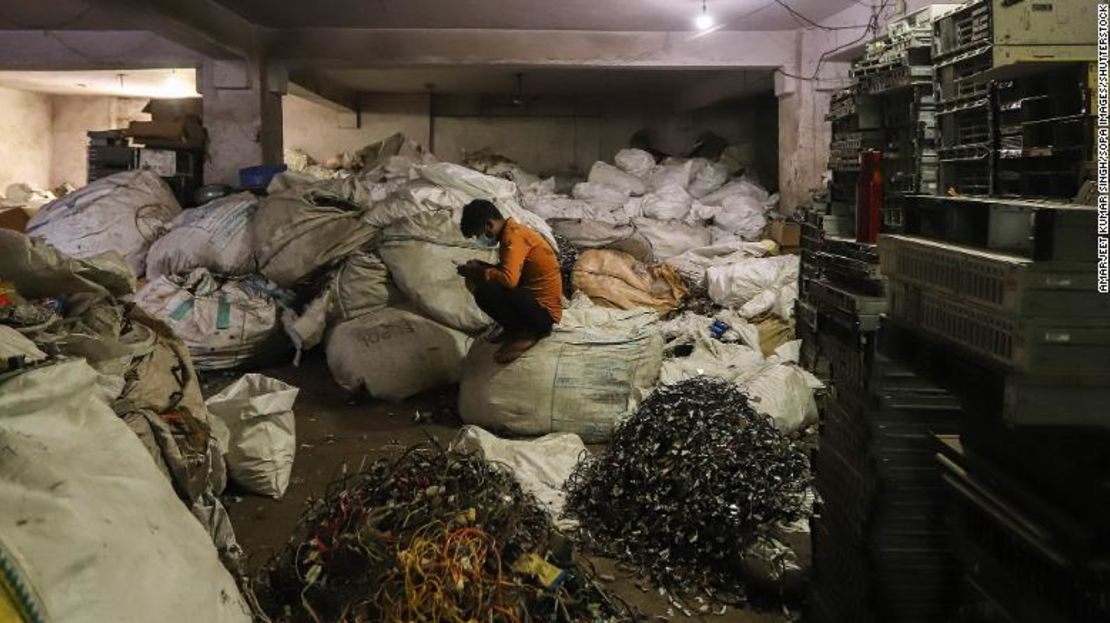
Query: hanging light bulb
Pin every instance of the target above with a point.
(704, 21)
(176, 86)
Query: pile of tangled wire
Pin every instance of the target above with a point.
(697, 301)
(431, 536)
(568, 257)
(686, 484)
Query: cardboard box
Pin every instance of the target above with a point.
(174, 109)
(786, 233)
(15, 218)
(186, 132)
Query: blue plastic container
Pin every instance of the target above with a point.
(260, 176)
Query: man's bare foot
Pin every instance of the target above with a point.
(513, 349)
(497, 336)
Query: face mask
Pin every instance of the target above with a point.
(486, 240)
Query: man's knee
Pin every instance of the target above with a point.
(486, 291)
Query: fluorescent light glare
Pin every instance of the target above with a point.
(703, 21)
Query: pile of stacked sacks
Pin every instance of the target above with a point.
(359, 256)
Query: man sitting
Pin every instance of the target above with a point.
(523, 292)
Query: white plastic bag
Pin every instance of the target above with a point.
(710, 177)
(468, 184)
(635, 161)
(298, 233)
(422, 253)
(734, 285)
(585, 378)
(124, 213)
(395, 354)
(254, 426)
(671, 238)
(214, 236)
(743, 216)
(601, 196)
(671, 173)
(225, 323)
(741, 187)
(94, 529)
(694, 263)
(541, 466)
(667, 203)
(609, 175)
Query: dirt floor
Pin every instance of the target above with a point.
(333, 431)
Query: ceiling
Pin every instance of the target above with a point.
(536, 81)
(589, 15)
(122, 82)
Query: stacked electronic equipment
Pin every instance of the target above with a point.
(881, 550)
(855, 123)
(1013, 103)
(959, 331)
(896, 77)
(992, 294)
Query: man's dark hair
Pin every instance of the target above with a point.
(475, 215)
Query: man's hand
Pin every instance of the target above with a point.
(471, 270)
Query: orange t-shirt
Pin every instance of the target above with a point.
(529, 262)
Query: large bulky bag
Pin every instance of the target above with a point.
(468, 184)
(422, 253)
(618, 280)
(224, 323)
(635, 161)
(710, 177)
(671, 238)
(541, 466)
(777, 388)
(14, 345)
(741, 187)
(770, 281)
(359, 286)
(671, 173)
(254, 427)
(410, 199)
(742, 215)
(601, 196)
(585, 378)
(38, 270)
(214, 236)
(591, 234)
(394, 354)
(96, 532)
(694, 263)
(667, 203)
(609, 175)
(556, 207)
(301, 231)
(124, 213)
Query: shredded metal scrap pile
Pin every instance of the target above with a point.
(431, 536)
(686, 484)
(568, 257)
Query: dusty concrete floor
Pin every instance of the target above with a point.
(333, 430)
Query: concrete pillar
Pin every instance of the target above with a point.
(804, 89)
(242, 113)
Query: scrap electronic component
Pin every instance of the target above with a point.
(686, 484)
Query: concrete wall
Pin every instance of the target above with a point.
(24, 138)
(73, 116)
(323, 131)
(550, 137)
